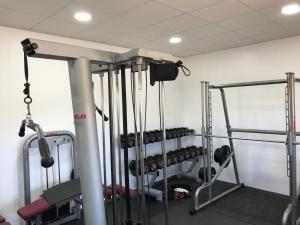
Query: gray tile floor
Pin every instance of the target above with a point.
(246, 206)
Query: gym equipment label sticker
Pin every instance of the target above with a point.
(79, 116)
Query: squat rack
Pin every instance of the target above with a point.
(290, 142)
(82, 62)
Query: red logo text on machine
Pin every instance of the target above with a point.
(79, 116)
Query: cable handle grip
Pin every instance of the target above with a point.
(22, 129)
(101, 113)
(46, 158)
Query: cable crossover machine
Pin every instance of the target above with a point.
(290, 213)
(82, 63)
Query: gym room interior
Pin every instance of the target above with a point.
(149, 112)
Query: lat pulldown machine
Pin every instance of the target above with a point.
(82, 63)
(290, 214)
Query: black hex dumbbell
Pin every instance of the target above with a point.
(146, 137)
(221, 154)
(187, 154)
(152, 165)
(180, 155)
(158, 135)
(169, 160)
(153, 137)
(190, 131)
(201, 173)
(131, 140)
(182, 132)
(174, 133)
(132, 167)
(169, 134)
(146, 167)
(159, 161)
(193, 152)
(173, 157)
(199, 151)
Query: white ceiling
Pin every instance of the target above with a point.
(203, 25)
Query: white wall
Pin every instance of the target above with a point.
(51, 107)
(261, 165)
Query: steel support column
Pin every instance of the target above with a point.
(87, 140)
(291, 147)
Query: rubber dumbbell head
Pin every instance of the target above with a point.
(221, 154)
(153, 137)
(193, 153)
(152, 165)
(159, 161)
(199, 151)
(146, 167)
(227, 152)
(132, 167)
(180, 155)
(201, 173)
(146, 137)
(169, 160)
(133, 170)
(158, 135)
(187, 154)
(131, 140)
(174, 133)
(174, 158)
(169, 134)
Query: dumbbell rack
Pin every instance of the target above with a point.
(189, 172)
(158, 194)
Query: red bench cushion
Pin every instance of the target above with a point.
(2, 219)
(34, 209)
(120, 190)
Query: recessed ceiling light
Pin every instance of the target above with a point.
(83, 16)
(290, 9)
(175, 40)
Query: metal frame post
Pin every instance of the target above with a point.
(291, 147)
(206, 113)
(139, 97)
(208, 138)
(163, 147)
(119, 144)
(101, 76)
(125, 133)
(179, 165)
(229, 132)
(136, 148)
(88, 146)
(203, 127)
(112, 142)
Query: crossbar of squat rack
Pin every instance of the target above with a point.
(248, 139)
(253, 83)
(258, 131)
(245, 139)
